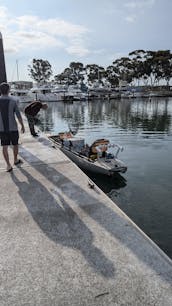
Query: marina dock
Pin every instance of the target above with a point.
(65, 243)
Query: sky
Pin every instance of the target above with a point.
(86, 31)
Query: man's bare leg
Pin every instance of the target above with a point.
(6, 156)
(15, 153)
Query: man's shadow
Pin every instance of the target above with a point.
(114, 222)
(60, 223)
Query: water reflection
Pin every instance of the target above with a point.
(152, 116)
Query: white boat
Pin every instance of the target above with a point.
(98, 91)
(69, 93)
(94, 158)
(19, 90)
(60, 91)
(20, 94)
(76, 92)
(43, 93)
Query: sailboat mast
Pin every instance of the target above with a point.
(17, 65)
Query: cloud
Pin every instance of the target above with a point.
(141, 4)
(137, 7)
(130, 19)
(52, 26)
(38, 40)
(77, 50)
(3, 12)
(30, 31)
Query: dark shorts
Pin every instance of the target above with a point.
(9, 138)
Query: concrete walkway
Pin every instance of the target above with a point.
(63, 243)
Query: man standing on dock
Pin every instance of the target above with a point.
(31, 111)
(8, 126)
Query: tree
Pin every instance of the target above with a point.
(138, 60)
(112, 76)
(40, 70)
(163, 61)
(158, 65)
(123, 68)
(147, 67)
(95, 73)
(71, 75)
(77, 70)
(59, 78)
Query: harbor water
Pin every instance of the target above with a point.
(144, 128)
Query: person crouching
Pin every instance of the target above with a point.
(31, 112)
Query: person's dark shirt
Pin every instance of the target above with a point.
(8, 110)
(33, 108)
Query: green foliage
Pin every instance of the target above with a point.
(71, 75)
(147, 66)
(95, 73)
(150, 67)
(112, 75)
(40, 70)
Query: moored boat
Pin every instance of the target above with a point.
(94, 158)
(19, 90)
(43, 93)
(21, 95)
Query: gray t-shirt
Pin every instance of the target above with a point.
(8, 110)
